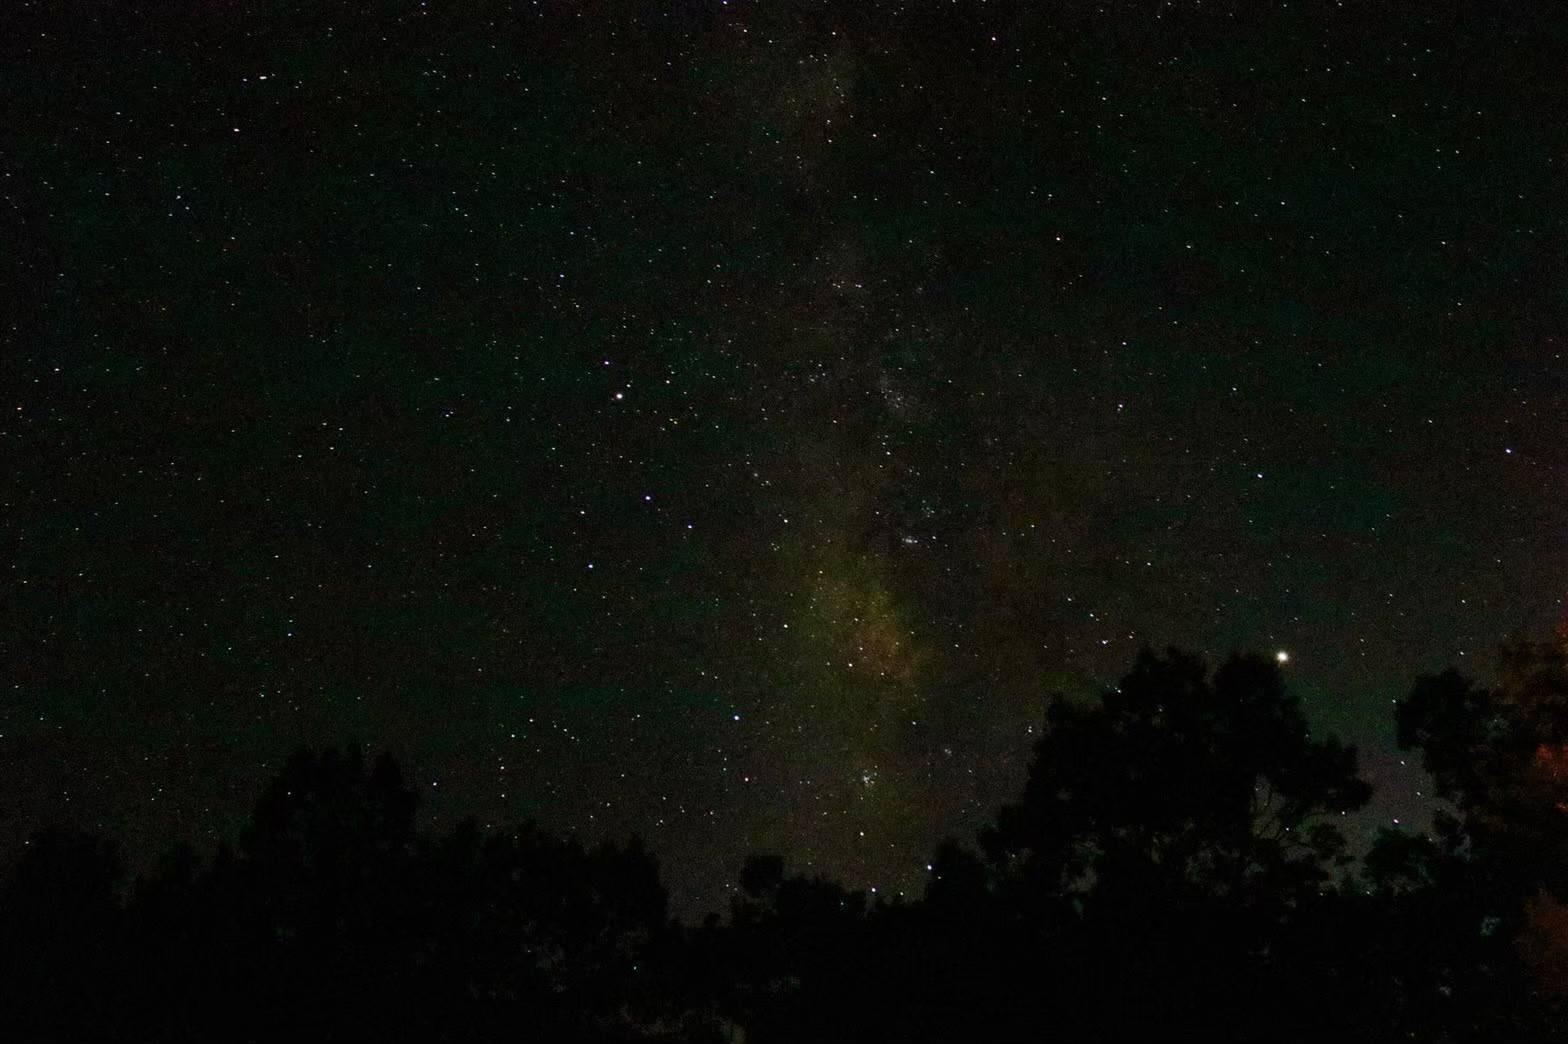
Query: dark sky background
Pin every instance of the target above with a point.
(728, 421)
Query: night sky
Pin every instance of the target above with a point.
(728, 422)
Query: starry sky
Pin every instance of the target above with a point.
(728, 422)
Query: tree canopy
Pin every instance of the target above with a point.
(1174, 865)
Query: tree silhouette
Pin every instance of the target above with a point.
(1172, 868)
(62, 938)
(334, 919)
(1175, 785)
(1169, 868)
(1492, 879)
(1167, 835)
(1501, 756)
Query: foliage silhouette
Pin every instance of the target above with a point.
(1172, 868)
(62, 936)
(1491, 880)
(1177, 787)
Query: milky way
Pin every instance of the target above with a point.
(728, 422)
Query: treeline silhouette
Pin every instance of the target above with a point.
(1173, 869)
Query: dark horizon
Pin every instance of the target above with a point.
(1174, 864)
